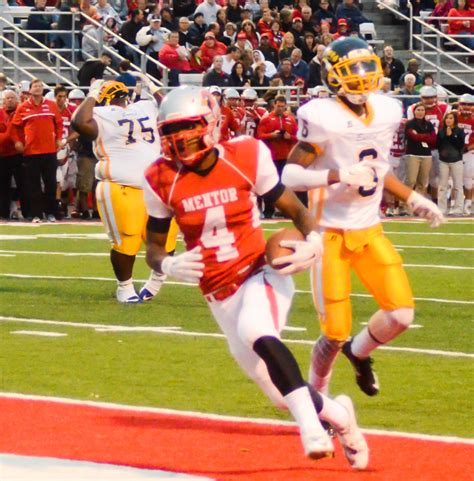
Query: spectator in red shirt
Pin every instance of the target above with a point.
(209, 49)
(174, 56)
(37, 132)
(11, 162)
(278, 130)
(248, 27)
(264, 25)
(462, 8)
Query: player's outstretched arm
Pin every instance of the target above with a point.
(82, 120)
(419, 205)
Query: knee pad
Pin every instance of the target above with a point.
(402, 317)
(386, 325)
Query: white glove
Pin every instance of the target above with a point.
(186, 266)
(426, 209)
(146, 81)
(306, 252)
(359, 175)
(94, 89)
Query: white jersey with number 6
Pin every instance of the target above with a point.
(343, 139)
(127, 143)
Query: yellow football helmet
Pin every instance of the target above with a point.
(351, 65)
(112, 90)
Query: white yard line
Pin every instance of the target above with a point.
(442, 248)
(186, 284)
(218, 417)
(175, 332)
(13, 253)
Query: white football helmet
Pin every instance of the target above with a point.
(197, 112)
(76, 94)
(429, 96)
(231, 93)
(24, 86)
(249, 94)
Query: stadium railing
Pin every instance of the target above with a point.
(13, 23)
(431, 41)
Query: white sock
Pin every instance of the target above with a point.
(363, 343)
(154, 282)
(302, 409)
(334, 413)
(321, 384)
(126, 283)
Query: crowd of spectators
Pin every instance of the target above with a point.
(44, 165)
(243, 50)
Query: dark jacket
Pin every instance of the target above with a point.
(129, 31)
(196, 34)
(314, 75)
(91, 69)
(214, 78)
(421, 137)
(397, 69)
(451, 147)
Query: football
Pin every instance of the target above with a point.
(273, 250)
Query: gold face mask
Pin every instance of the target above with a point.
(358, 75)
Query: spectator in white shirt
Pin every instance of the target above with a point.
(209, 9)
(233, 54)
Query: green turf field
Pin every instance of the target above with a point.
(426, 387)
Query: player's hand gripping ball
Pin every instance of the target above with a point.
(273, 249)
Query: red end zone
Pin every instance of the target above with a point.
(221, 449)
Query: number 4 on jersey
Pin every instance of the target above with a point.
(215, 234)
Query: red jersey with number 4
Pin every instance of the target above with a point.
(217, 211)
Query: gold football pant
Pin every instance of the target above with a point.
(122, 210)
(377, 264)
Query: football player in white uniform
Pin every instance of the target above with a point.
(125, 141)
(342, 158)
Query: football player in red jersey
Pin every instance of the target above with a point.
(466, 122)
(230, 125)
(253, 113)
(210, 189)
(232, 100)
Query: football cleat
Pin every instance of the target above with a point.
(366, 378)
(145, 294)
(127, 295)
(317, 444)
(352, 440)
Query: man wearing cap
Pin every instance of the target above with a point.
(209, 49)
(197, 30)
(342, 29)
(216, 76)
(242, 42)
(153, 37)
(270, 53)
(209, 9)
(297, 31)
